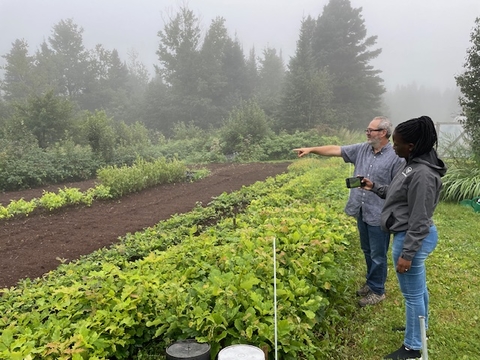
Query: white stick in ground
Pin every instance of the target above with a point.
(424, 338)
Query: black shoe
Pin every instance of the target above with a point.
(404, 354)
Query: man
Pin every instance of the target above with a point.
(376, 160)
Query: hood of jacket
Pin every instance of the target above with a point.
(432, 160)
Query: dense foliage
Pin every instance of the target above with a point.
(159, 284)
(461, 182)
(244, 137)
(469, 83)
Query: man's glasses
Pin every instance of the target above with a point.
(368, 131)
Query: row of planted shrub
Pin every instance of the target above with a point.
(52, 201)
(113, 182)
(184, 279)
(143, 174)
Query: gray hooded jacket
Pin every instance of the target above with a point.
(411, 199)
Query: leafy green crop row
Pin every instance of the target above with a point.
(128, 179)
(52, 201)
(187, 279)
(114, 182)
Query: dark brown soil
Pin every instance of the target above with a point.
(31, 246)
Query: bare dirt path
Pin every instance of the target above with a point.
(31, 246)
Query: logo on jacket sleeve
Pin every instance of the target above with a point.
(407, 171)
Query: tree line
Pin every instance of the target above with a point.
(199, 79)
(203, 80)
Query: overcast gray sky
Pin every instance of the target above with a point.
(423, 41)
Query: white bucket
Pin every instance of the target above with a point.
(241, 352)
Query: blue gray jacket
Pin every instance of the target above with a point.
(411, 199)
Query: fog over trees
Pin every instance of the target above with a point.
(203, 72)
(68, 109)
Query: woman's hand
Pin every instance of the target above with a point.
(403, 265)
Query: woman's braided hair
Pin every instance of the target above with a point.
(420, 132)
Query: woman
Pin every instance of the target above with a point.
(410, 201)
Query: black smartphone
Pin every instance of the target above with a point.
(354, 182)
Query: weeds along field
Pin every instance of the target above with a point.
(207, 275)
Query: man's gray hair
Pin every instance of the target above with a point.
(386, 124)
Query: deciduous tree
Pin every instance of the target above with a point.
(469, 83)
(46, 116)
(245, 126)
(97, 129)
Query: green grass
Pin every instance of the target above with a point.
(453, 278)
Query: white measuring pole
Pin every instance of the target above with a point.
(424, 338)
(275, 294)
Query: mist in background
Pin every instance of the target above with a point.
(423, 42)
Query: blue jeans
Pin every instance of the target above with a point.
(413, 285)
(374, 243)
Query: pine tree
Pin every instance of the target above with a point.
(307, 92)
(107, 88)
(252, 72)
(214, 88)
(70, 58)
(270, 80)
(179, 56)
(18, 81)
(342, 47)
(237, 72)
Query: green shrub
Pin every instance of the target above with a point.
(279, 147)
(25, 165)
(124, 180)
(461, 182)
(245, 126)
(19, 207)
(51, 201)
(71, 196)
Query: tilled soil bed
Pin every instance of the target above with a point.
(31, 246)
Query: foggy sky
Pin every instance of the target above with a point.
(423, 41)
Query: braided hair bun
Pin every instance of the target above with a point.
(420, 132)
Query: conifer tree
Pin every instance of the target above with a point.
(307, 94)
(271, 75)
(18, 81)
(70, 58)
(342, 47)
